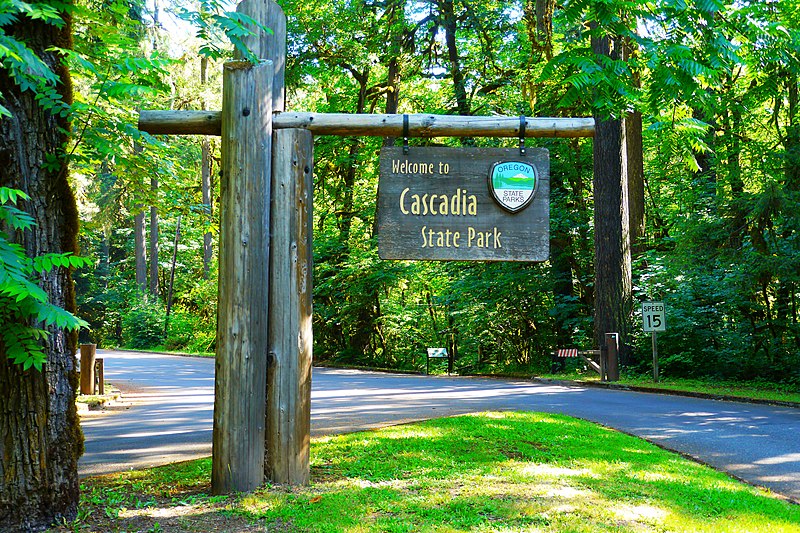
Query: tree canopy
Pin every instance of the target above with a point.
(714, 87)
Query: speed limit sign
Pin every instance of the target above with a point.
(654, 317)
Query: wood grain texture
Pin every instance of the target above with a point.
(181, 122)
(491, 234)
(288, 417)
(343, 124)
(88, 358)
(238, 435)
(425, 125)
(269, 45)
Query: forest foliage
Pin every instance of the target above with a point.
(717, 87)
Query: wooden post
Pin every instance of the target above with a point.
(612, 368)
(269, 45)
(99, 372)
(88, 352)
(288, 389)
(238, 436)
(604, 362)
(288, 416)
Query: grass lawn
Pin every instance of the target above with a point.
(163, 350)
(759, 390)
(499, 472)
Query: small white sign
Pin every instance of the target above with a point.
(654, 316)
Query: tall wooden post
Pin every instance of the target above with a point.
(612, 368)
(238, 436)
(269, 45)
(288, 416)
(288, 389)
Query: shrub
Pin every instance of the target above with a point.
(190, 332)
(143, 326)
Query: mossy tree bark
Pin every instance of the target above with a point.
(40, 435)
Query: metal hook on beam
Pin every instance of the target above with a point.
(405, 134)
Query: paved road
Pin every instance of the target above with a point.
(171, 406)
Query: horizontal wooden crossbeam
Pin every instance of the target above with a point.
(343, 124)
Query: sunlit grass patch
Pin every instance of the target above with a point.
(518, 472)
(755, 389)
(495, 472)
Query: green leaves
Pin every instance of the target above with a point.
(34, 11)
(16, 218)
(22, 301)
(213, 22)
(22, 345)
(23, 66)
(46, 262)
(11, 195)
(603, 81)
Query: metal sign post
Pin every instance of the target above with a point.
(654, 319)
(655, 357)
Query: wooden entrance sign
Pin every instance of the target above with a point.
(440, 204)
(263, 365)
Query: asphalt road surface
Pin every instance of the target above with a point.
(168, 409)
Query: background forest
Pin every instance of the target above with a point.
(714, 86)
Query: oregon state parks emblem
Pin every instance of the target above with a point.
(513, 184)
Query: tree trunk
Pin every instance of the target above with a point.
(154, 192)
(612, 236)
(396, 38)
(737, 216)
(785, 307)
(349, 172)
(172, 276)
(154, 240)
(792, 142)
(40, 435)
(206, 187)
(205, 177)
(635, 161)
(139, 251)
(635, 155)
(139, 237)
(449, 23)
(392, 92)
(706, 175)
(538, 15)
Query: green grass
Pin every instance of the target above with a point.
(96, 400)
(161, 349)
(758, 390)
(498, 472)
